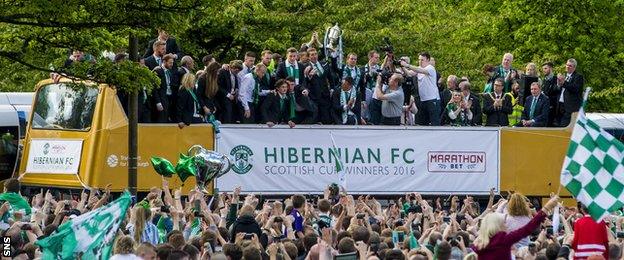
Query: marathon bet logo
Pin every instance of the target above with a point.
(242, 159)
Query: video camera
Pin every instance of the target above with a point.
(388, 48)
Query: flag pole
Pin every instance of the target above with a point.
(585, 97)
(581, 110)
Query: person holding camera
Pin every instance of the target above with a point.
(392, 99)
(371, 70)
(427, 88)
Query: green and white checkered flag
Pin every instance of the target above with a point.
(91, 235)
(593, 170)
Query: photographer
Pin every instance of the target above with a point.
(392, 99)
(371, 106)
(427, 89)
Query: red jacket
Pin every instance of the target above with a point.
(500, 244)
(590, 238)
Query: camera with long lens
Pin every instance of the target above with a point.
(385, 75)
(388, 48)
(387, 45)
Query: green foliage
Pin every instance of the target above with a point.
(607, 100)
(461, 35)
(37, 37)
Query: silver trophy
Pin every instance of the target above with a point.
(209, 164)
(333, 42)
(333, 35)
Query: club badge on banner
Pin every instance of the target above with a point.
(375, 161)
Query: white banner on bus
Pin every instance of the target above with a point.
(376, 160)
(54, 156)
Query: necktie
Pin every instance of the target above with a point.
(291, 71)
(168, 76)
(159, 61)
(532, 108)
(319, 69)
(281, 104)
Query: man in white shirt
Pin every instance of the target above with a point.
(427, 88)
(248, 65)
(250, 92)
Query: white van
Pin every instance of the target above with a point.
(14, 113)
(610, 122)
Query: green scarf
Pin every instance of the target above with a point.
(162, 230)
(256, 90)
(293, 72)
(195, 227)
(17, 202)
(345, 96)
(198, 109)
(346, 71)
(413, 242)
(293, 105)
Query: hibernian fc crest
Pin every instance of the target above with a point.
(242, 159)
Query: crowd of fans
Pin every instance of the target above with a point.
(305, 87)
(167, 225)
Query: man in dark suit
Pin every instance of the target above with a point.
(155, 59)
(350, 69)
(164, 97)
(291, 68)
(535, 113)
(317, 77)
(552, 91)
(278, 108)
(571, 92)
(345, 104)
(187, 65)
(446, 95)
(475, 108)
(228, 83)
(497, 105)
(505, 71)
(171, 45)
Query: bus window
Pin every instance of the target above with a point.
(59, 106)
(8, 150)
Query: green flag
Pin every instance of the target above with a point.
(91, 234)
(16, 201)
(593, 170)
